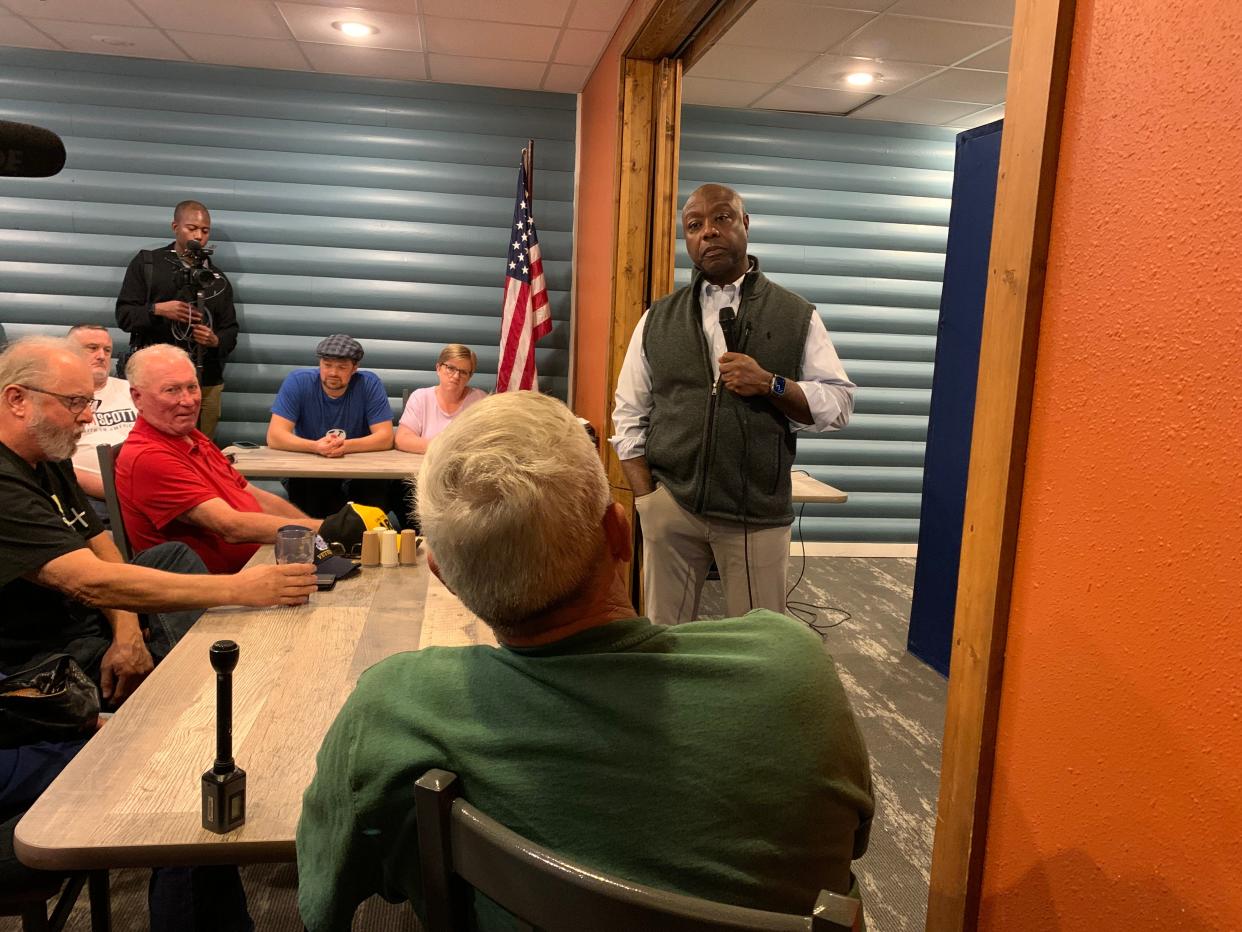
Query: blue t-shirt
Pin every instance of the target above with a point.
(301, 399)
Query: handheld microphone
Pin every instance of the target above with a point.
(224, 785)
(727, 317)
(29, 151)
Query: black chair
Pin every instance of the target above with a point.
(107, 472)
(459, 847)
(31, 902)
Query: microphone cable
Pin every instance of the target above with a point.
(808, 612)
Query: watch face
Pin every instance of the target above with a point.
(778, 385)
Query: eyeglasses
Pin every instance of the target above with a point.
(453, 370)
(75, 403)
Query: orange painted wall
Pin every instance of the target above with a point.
(595, 227)
(1117, 799)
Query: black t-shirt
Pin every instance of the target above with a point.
(43, 515)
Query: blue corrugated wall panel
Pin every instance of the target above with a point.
(853, 215)
(379, 208)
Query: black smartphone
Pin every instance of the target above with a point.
(325, 581)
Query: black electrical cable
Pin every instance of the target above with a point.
(808, 612)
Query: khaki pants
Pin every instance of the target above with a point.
(209, 413)
(678, 548)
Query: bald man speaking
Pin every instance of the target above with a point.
(719, 377)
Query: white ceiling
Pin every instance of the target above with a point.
(533, 44)
(941, 61)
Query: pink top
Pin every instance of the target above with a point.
(425, 417)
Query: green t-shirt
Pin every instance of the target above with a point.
(718, 759)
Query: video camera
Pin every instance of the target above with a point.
(197, 275)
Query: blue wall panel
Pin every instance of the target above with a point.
(853, 215)
(378, 208)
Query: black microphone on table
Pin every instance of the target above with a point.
(727, 318)
(224, 785)
(29, 151)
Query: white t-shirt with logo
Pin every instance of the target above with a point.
(114, 418)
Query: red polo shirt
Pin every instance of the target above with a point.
(160, 477)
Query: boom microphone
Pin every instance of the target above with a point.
(727, 317)
(29, 151)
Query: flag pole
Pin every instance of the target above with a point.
(528, 160)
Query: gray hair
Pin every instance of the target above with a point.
(511, 498)
(136, 368)
(27, 359)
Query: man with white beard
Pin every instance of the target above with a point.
(65, 590)
(113, 409)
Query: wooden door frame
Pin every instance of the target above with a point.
(675, 34)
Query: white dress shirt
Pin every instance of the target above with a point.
(829, 393)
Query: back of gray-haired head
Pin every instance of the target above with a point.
(511, 498)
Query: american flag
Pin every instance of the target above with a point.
(527, 316)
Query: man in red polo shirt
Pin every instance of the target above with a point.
(174, 484)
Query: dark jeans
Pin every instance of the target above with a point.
(91, 635)
(181, 899)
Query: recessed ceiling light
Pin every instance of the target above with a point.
(113, 41)
(861, 78)
(355, 30)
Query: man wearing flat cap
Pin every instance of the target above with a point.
(333, 411)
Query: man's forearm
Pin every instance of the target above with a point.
(369, 444)
(793, 403)
(279, 439)
(638, 474)
(275, 505)
(137, 588)
(90, 482)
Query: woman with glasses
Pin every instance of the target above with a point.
(430, 410)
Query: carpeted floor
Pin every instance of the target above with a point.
(899, 703)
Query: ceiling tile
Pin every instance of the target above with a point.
(133, 41)
(811, 100)
(927, 41)
(971, 120)
(241, 52)
(488, 72)
(994, 59)
(373, 63)
(117, 12)
(580, 47)
(597, 14)
(228, 17)
(403, 7)
(489, 40)
(909, 110)
(863, 6)
(993, 12)
(775, 25)
(310, 23)
(766, 65)
(14, 31)
(829, 71)
(711, 92)
(530, 12)
(976, 87)
(567, 79)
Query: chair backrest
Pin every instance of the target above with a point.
(459, 847)
(107, 472)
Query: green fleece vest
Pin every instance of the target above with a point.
(718, 454)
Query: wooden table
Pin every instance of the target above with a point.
(266, 463)
(131, 798)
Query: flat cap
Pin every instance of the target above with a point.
(340, 346)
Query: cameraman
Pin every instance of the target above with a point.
(156, 304)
